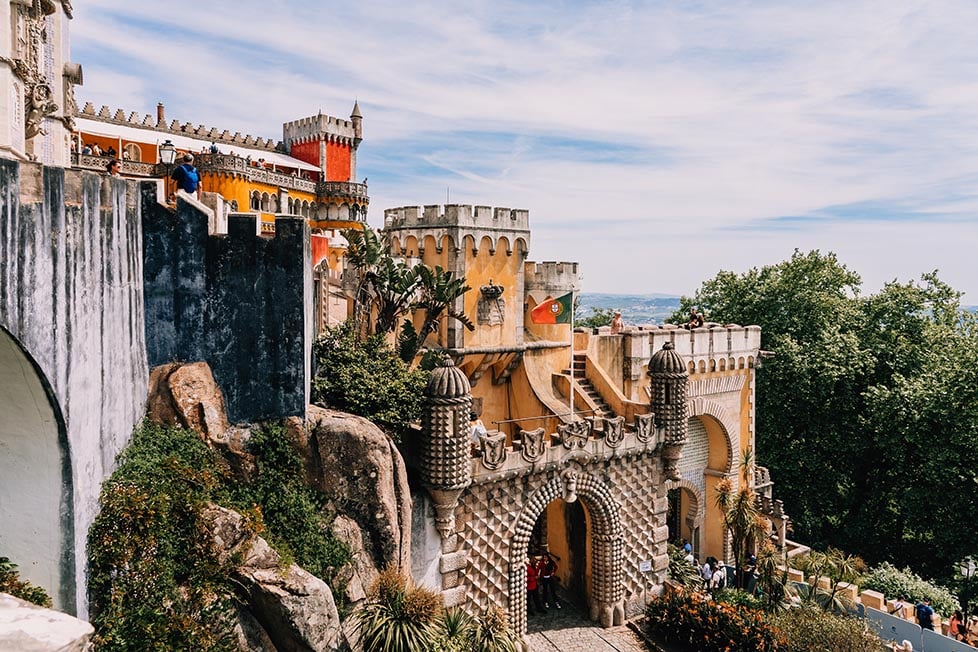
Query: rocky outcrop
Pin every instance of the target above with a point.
(363, 476)
(295, 609)
(186, 395)
(28, 628)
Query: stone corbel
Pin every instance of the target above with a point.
(445, 502)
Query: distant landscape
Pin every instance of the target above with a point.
(635, 308)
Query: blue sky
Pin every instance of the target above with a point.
(654, 142)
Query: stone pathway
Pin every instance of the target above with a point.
(568, 630)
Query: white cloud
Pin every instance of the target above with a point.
(739, 112)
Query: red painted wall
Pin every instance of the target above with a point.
(337, 162)
(308, 152)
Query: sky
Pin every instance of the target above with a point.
(656, 143)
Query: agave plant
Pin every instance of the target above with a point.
(491, 633)
(398, 616)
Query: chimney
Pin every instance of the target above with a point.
(160, 114)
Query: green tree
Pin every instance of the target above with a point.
(598, 317)
(741, 517)
(871, 404)
(438, 292)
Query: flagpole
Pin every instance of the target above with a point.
(573, 308)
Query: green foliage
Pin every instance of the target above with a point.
(399, 616)
(710, 626)
(739, 598)
(437, 293)
(293, 514)
(871, 404)
(837, 567)
(813, 630)
(154, 583)
(892, 582)
(741, 517)
(367, 378)
(598, 317)
(11, 583)
(681, 571)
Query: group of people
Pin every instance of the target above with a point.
(959, 628)
(541, 578)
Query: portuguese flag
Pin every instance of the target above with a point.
(554, 311)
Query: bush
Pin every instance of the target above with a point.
(11, 583)
(154, 582)
(368, 379)
(681, 571)
(811, 629)
(892, 582)
(739, 598)
(710, 626)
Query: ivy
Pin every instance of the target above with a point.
(11, 583)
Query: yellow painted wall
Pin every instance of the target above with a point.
(503, 270)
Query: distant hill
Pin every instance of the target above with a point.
(635, 308)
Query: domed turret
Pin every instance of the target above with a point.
(669, 378)
(446, 468)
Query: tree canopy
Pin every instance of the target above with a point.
(868, 414)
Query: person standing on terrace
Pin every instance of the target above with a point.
(187, 177)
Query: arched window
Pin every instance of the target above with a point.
(255, 201)
(131, 152)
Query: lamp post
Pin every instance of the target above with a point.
(168, 155)
(967, 568)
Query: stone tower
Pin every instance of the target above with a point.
(445, 460)
(669, 378)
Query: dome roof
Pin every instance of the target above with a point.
(447, 381)
(667, 361)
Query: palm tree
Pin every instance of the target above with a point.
(741, 518)
(438, 291)
(364, 252)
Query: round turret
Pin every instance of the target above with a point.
(669, 377)
(447, 381)
(667, 361)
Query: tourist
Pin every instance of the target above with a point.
(112, 167)
(707, 571)
(477, 430)
(214, 148)
(718, 580)
(110, 151)
(905, 646)
(898, 606)
(956, 627)
(971, 633)
(617, 323)
(695, 319)
(126, 156)
(87, 150)
(532, 594)
(96, 150)
(546, 572)
(187, 177)
(925, 614)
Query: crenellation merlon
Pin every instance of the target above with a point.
(457, 215)
(552, 276)
(317, 126)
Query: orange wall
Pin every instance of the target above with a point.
(337, 162)
(308, 152)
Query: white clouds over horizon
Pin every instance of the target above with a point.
(656, 143)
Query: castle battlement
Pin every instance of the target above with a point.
(317, 126)
(155, 123)
(551, 277)
(457, 215)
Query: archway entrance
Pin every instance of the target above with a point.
(684, 518)
(561, 533)
(36, 524)
(603, 573)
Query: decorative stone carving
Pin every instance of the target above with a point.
(534, 444)
(494, 451)
(614, 431)
(568, 481)
(669, 378)
(491, 309)
(445, 467)
(72, 77)
(574, 435)
(644, 427)
(30, 36)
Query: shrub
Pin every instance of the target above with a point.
(681, 571)
(398, 616)
(154, 582)
(710, 626)
(892, 582)
(368, 379)
(11, 583)
(739, 598)
(811, 629)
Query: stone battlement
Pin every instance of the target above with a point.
(148, 121)
(311, 128)
(457, 215)
(551, 276)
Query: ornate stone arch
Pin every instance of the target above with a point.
(699, 406)
(607, 571)
(695, 492)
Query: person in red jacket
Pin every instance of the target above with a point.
(546, 577)
(532, 590)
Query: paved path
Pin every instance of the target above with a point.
(567, 630)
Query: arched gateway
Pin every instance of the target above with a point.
(607, 590)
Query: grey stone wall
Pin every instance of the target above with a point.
(71, 295)
(236, 301)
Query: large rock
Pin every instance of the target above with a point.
(294, 607)
(187, 395)
(363, 476)
(28, 628)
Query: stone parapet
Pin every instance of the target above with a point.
(461, 215)
(313, 127)
(552, 277)
(718, 348)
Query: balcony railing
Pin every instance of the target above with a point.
(357, 191)
(128, 168)
(238, 165)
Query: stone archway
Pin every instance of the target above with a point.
(36, 491)
(607, 590)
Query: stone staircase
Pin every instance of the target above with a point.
(586, 386)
